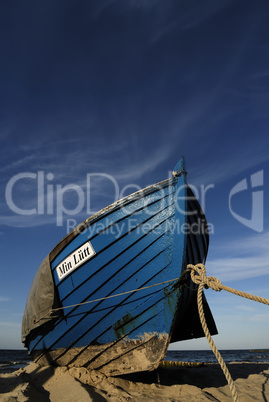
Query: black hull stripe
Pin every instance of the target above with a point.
(113, 309)
(113, 243)
(70, 313)
(64, 298)
(126, 217)
(134, 318)
(98, 216)
(124, 353)
(119, 340)
(106, 315)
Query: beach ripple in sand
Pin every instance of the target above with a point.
(206, 383)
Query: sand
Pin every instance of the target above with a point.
(204, 383)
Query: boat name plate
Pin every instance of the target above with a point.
(74, 260)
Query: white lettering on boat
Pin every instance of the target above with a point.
(74, 260)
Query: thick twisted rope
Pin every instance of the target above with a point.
(198, 276)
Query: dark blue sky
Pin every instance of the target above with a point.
(123, 89)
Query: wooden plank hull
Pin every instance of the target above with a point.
(135, 244)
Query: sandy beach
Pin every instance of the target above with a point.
(203, 383)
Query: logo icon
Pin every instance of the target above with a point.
(256, 220)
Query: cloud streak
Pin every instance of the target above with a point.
(248, 258)
(91, 169)
(4, 299)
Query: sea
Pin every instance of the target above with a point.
(12, 359)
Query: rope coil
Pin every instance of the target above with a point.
(198, 276)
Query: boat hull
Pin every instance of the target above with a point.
(112, 359)
(117, 299)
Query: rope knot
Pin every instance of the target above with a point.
(198, 276)
(214, 283)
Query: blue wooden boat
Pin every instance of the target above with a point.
(107, 297)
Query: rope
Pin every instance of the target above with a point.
(173, 363)
(51, 311)
(198, 276)
(215, 284)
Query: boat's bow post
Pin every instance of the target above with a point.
(180, 173)
(180, 168)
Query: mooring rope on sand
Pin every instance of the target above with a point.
(198, 276)
(173, 363)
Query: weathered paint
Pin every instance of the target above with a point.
(113, 359)
(137, 244)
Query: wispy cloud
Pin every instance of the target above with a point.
(10, 324)
(4, 299)
(220, 170)
(23, 221)
(230, 269)
(99, 7)
(247, 258)
(255, 244)
(101, 174)
(188, 18)
(72, 158)
(245, 308)
(259, 317)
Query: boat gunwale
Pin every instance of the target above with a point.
(106, 211)
(54, 265)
